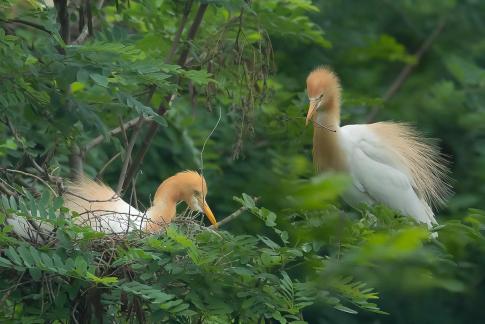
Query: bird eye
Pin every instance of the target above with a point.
(196, 193)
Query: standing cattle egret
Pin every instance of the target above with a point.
(103, 210)
(389, 163)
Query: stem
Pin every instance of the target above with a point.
(233, 216)
(129, 149)
(63, 17)
(27, 23)
(85, 32)
(98, 140)
(162, 109)
(406, 71)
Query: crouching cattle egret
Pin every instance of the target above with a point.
(103, 210)
(389, 163)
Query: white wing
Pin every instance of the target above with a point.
(378, 176)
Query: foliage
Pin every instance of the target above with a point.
(301, 257)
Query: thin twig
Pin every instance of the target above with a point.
(127, 160)
(205, 143)
(33, 176)
(99, 139)
(162, 109)
(406, 71)
(233, 216)
(7, 191)
(100, 173)
(178, 34)
(123, 132)
(27, 23)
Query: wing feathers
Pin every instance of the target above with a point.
(420, 155)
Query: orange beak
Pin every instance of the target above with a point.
(209, 214)
(311, 111)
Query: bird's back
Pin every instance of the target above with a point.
(101, 208)
(390, 165)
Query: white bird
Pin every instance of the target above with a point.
(103, 210)
(389, 163)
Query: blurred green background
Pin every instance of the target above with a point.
(253, 58)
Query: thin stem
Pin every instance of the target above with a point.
(85, 32)
(27, 23)
(99, 139)
(129, 149)
(233, 216)
(100, 173)
(406, 71)
(162, 109)
(33, 176)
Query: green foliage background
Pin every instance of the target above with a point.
(299, 254)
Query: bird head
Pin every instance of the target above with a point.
(190, 187)
(323, 88)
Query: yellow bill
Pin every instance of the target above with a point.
(311, 111)
(209, 214)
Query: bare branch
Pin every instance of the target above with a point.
(98, 140)
(27, 23)
(85, 32)
(33, 176)
(100, 173)
(129, 149)
(233, 216)
(76, 159)
(162, 109)
(406, 71)
(63, 18)
(7, 191)
(176, 39)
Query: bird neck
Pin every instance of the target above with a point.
(327, 152)
(329, 115)
(164, 207)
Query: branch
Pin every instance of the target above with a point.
(129, 149)
(7, 191)
(233, 216)
(76, 159)
(100, 173)
(98, 140)
(162, 109)
(27, 23)
(33, 176)
(63, 18)
(192, 32)
(85, 32)
(176, 39)
(406, 71)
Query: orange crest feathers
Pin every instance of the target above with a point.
(322, 79)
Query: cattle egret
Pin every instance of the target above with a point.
(389, 163)
(103, 210)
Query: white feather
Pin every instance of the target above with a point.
(378, 175)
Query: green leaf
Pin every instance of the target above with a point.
(99, 79)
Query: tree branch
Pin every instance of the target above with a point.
(63, 18)
(76, 159)
(162, 109)
(129, 149)
(27, 23)
(98, 140)
(85, 32)
(406, 71)
(233, 216)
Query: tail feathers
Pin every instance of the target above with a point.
(101, 208)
